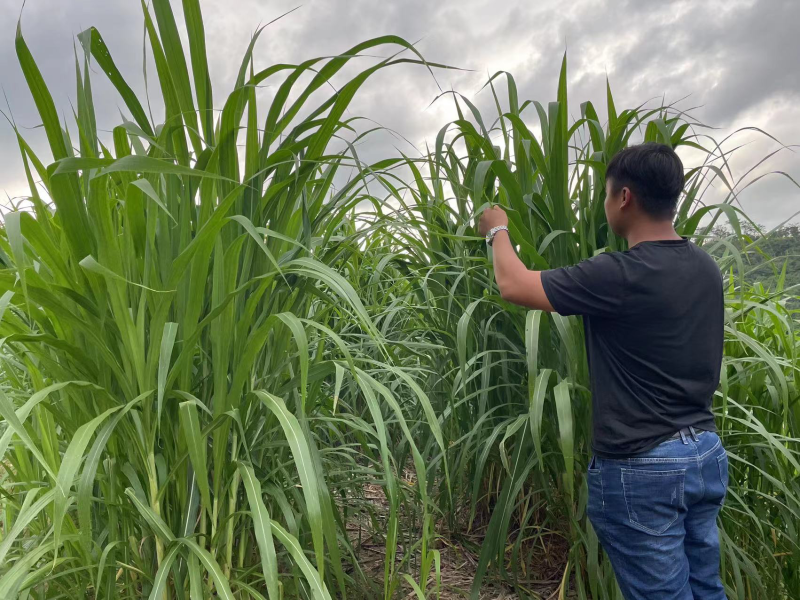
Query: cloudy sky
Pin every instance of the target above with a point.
(735, 60)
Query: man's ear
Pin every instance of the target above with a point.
(627, 198)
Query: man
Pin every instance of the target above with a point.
(653, 318)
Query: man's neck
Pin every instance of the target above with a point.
(651, 231)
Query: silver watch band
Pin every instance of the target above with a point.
(493, 231)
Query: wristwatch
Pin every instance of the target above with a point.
(493, 231)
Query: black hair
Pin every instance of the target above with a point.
(653, 172)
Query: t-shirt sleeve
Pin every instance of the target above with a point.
(594, 287)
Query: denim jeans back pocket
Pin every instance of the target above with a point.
(653, 498)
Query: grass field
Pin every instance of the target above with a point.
(239, 363)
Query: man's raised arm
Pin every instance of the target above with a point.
(516, 282)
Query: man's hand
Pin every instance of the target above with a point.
(492, 217)
(516, 283)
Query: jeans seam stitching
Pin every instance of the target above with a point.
(699, 462)
(644, 461)
(702, 481)
(602, 495)
(705, 454)
(599, 473)
(723, 480)
(655, 473)
(602, 489)
(625, 495)
(654, 531)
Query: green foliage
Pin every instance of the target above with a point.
(209, 355)
(171, 324)
(519, 451)
(775, 261)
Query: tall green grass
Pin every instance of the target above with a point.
(512, 385)
(193, 392)
(209, 355)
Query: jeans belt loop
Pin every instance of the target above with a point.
(694, 434)
(683, 438)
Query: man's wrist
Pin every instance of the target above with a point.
(493, 232)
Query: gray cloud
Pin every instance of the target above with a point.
(733, 58)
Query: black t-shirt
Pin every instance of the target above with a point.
(653, 317)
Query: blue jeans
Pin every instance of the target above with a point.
(656, 517)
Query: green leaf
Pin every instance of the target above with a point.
(299, 334)
(167, 342)
(221, 582)
(263, 530)
(90, 469)
(202, 80)
(7, 412)
(314, 578)
(537, 408)
(305, 468)
(156, 523)
(11, 581)
(162, 576)
(565, 432)
(149, 191)
(27, 512)
(196, 443)
(69, 467)
(41, 97)
(93, 42)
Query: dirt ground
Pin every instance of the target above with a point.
(458, 562)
